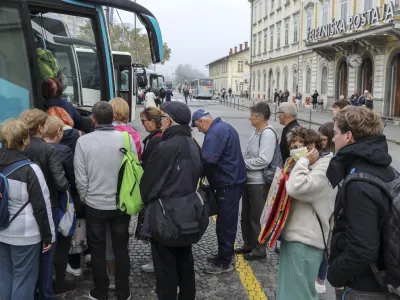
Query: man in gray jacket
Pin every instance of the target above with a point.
(97, 162)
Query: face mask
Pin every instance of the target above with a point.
(298, 153)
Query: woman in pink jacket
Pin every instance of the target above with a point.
(121, 118)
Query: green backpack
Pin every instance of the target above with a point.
(48, 67)
(130, 173)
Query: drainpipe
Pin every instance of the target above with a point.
(251, 49)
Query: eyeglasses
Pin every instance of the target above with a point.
(297, 147)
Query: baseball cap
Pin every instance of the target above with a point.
(198, 114)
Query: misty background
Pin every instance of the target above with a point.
(197, 32)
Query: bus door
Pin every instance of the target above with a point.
(24, 26)
(124, 81)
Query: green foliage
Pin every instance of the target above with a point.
(124, 40)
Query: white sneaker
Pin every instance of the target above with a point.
(148, 268)
(88, 258)
(75, 272)
(320, 288)
(112, 283)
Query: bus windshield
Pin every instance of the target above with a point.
(206, 82)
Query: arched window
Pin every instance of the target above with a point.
(285, 79)
(278, 79)
(295, 29)
(265, 83)
(308, 80)
(259, 82)
(324, 80)
(325, 13)
(295, 81)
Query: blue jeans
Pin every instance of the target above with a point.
(19, 268)
(227, 221)
(323, 269)
(46, 267)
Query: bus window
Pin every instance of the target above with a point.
(15, 80)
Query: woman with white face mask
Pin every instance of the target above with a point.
(305, 235)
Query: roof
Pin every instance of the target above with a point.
(227, 57)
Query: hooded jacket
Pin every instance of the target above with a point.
(35, 222)
(70, 137)
(360, 209)
(47, 158)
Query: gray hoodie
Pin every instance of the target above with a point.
(97, 161)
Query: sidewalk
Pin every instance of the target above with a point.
(308, 116)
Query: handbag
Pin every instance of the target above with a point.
(269, 171)
(210, 198)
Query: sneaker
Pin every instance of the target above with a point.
(216, 270)
(75, 272)
(214, 258)
(320, 288)
(112, 283)
(243, 250)
(148, 268)
(67, 287)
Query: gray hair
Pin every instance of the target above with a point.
(173, 123)
(103, 113)
(288, 108)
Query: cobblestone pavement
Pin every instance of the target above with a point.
(252, 280)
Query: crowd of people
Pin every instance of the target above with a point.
(326, 235)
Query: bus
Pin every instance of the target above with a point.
(202, 88)
(26, 25)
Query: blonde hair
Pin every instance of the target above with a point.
(13, 133)
(34, 118)
(152, 113)
(54, 125)
(360, 121)
(121, 110)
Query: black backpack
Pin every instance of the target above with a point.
(389, 278)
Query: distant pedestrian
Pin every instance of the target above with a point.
(97, 159)
(150, 99)
(276, 97)
(230, 93)
(172, 172)
(286, 95)
(287, 117)
(315, 100)
(354, 98)
(224, 167)
(190, 93)
(162, 94)
(303, 239)
(362, 98)
(369, 101)
(168, 95)
(258, 156)
(32, 233)
(186, 94)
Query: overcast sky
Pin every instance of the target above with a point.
(199, 32)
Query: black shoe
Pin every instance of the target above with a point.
(243, 250)
(216, 270)
(254, 255)
(67, 287)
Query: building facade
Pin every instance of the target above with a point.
(232, 71)
(332, 46)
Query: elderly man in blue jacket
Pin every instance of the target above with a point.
(224, 167)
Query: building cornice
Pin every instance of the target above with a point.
(281, 57)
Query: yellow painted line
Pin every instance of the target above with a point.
(249, 281)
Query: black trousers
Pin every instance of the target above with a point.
(253, 202)
(97, 221)
(61, 259)
(174, 266)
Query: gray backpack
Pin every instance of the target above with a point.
(269, 171)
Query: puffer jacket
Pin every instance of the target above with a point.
(47, 158)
